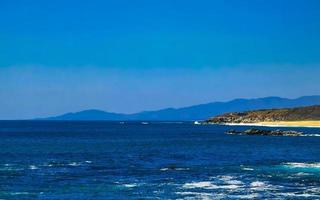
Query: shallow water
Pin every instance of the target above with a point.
(112, 160)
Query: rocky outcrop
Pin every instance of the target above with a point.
(254, 131)
(271, 115)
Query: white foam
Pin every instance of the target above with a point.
(295, 194)
(257, 184)
(302, 174)
(130, 185)
(33, 167)
(202, 184)
(234, 182)
(74, 164)
(225, 178)
(302, 165)
(209, 185)
(19, 193)
(247, 169)
(177, 169)
(88, 161)
(181, 169)
(311, 135)
(313, 190)
(198, 195)
(8, 168)
(246, 196)
(230, 180)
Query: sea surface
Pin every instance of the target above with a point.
(154, 160)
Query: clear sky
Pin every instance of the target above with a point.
(127, 56)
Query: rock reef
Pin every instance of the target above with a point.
(254, 131)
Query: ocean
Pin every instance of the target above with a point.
(154, 160)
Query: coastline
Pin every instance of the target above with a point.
(302, 124)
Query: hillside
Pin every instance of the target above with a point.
(309, 113)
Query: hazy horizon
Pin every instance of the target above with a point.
(169, 107)
(119, 56)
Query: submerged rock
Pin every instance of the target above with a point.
(254, 131)
(232, 131)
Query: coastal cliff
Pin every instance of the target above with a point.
(303, 115)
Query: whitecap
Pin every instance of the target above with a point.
(246, 196)
(302, 165)
(302, 174)
(258, 184)
(181, 169)
(198, 195)
(208, 185)
(19, 193)
(177, 169)
(234, 182)
(74, 164)
(202, 184)
(33, 167)
(229, 180)
(130, 185)
(10, 168)
(247, 169)
(313, 190)
(295, 194)
(225, 178)
(311, 135)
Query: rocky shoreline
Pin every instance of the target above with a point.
(254, 131)
(272, 116)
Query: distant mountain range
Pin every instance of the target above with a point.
(197, 112)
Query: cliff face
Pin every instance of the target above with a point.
(271, 115)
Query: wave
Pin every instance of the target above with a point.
(209, 185)
(33, 167)
(257, 184)
(177, 169)
(11, 167)
(63, 164)
(295, 194)
(206, 195)
(199, 195)
(311, 135)
(74, 164)
(230, 180)
(130, 185)
(247, 169)
(315, 165)
(19, 193)
(245, 196)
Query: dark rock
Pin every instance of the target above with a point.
(254, 131)
(232, 131)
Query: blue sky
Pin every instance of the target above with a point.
(127, 56)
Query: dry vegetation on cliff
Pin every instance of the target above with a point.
(309, 115)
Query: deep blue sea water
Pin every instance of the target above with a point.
(112, 160)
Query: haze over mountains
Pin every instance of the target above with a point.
(197, 112)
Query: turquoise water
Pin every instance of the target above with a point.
(158, 160)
